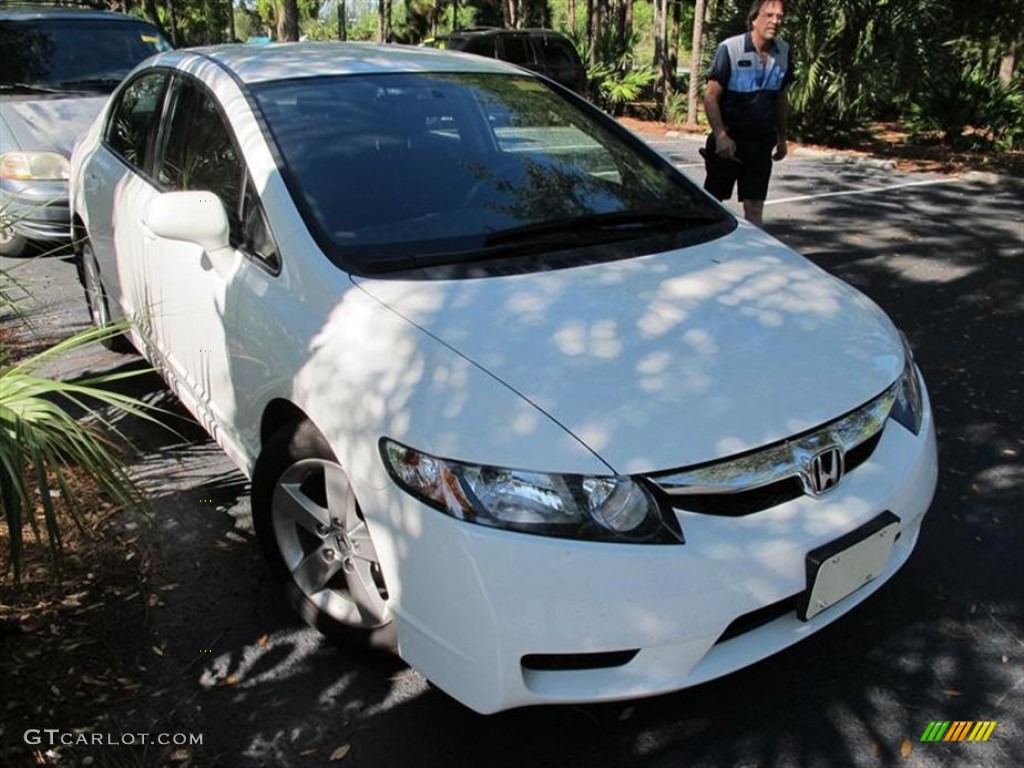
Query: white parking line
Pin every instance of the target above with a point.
(863, 191)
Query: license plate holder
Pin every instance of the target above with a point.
(838, 569)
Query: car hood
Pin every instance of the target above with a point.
(51, 124)
(672, 359)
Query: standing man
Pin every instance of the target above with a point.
(747, 105)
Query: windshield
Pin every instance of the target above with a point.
(73, 54)
(403, 170)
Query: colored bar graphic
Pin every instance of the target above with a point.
(982, 730)
(935, 730)
(959, 730)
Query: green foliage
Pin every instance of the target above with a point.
(612, 89)
(676, 108)
(40, 441)
(968, 108)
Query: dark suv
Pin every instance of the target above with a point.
(57, 68)
(542, 50)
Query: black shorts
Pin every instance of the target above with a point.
(750, 172)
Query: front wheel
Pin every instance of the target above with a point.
(316, 540)
(11, 243)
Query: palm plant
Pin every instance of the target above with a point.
(41, 443)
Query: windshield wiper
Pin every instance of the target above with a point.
(599, 226)
(91, 83)
(29, 88)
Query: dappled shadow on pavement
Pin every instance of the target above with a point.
(943, 641)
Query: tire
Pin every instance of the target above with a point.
(96, 300)
(11, 243)
(321, 551)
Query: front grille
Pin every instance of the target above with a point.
(766, 496)
(742, 503)
(777, 473)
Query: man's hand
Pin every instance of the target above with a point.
(781, 150)
(725, 146)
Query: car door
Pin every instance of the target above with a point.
(116, 183)
(188, 287)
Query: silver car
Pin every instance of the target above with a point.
(57, 67)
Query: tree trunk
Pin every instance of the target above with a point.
(153, 15)
(599, 12)
(627, 22)
(342, 21)
(231, 21)
(696, 47)
(173, 22)
(660, 44)
(1008, 64)
(571, 10)
(383, 20)
(672, 48)
(288, 21)
(591, 36)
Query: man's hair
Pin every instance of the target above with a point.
(755, 8)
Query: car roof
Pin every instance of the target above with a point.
(486, 31)
(285, 61)
(35, 13)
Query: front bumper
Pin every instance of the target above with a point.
(38, 211)
(472, 603)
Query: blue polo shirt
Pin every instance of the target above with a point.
(752, 87)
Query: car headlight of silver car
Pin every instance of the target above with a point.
(595, 508)
(34, 166)
(908, 409)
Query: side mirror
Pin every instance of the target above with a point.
(193, 216)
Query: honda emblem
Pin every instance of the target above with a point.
(824, 471)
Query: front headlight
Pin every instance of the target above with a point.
(34, 166)
(595, 508)
(909, 406)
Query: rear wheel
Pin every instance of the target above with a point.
(96, 299)
(316, 540)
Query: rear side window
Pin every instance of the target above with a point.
(482, 46)
(134, 119)
(557, 52)
(517, 50)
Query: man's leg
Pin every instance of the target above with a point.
(753, 179)
(753, 211)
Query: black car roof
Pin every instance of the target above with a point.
(37, 12)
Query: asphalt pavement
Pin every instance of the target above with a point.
(944, 640)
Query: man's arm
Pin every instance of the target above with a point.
(725, 146)
(781, 125)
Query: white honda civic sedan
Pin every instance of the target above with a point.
(517, 399)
